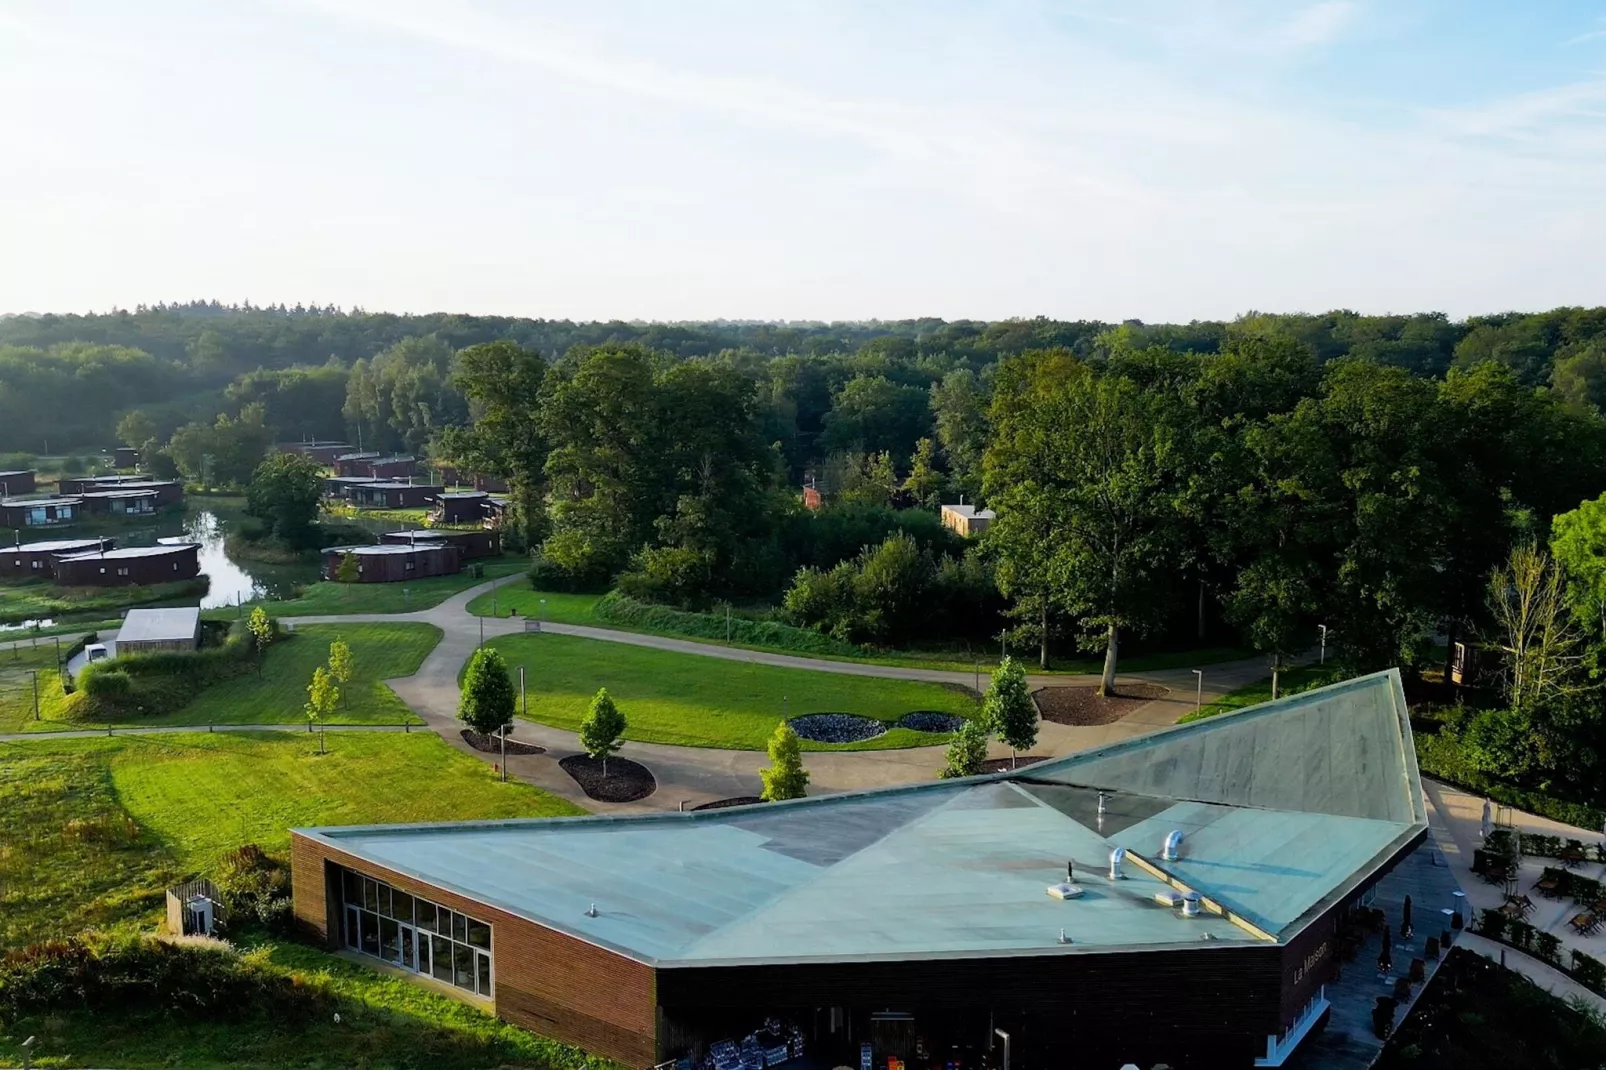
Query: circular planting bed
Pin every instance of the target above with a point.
(720, 804)
(493, 744)
(837, 727)
(931, 721)
(1084, 706)
(627, 781)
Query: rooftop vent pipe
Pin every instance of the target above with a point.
(1173, 843)
(591, 911)
(1117, 856)
(1190, 904)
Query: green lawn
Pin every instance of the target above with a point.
(72, 629)
(43, 601)
(93, 830)
(696, 701)
(327, 598)
(517, 598)
(1289, 682)
(278, 696)
(17, 670)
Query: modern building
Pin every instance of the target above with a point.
(390, 495)
(967, 520)
(46, 512)
(391, 563)
(163, 563)
(150, 631)
(340, 487)
(324, 451)
(17, 483)
(471, 544)
(1175, 898)
(120, 502)
(398, 468)
(125, 457)
(38, 559)
(80, 484)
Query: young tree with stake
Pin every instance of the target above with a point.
(341, 665)
(262, 633)
(602, 731)
(1009, 709)
(323, 695)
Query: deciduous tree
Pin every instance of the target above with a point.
(602, 731)
(967, 751)
(1008, 708)
(487, 701)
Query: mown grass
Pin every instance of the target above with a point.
(18, 668)
(326, 598)
(695, 701)
(1289, 682)
(93, 830)
(518, 599)
(279, 694)
(46, 601)
(72, 628)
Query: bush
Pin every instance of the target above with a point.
(163, 682)
(195, 978)
(619, 609)
(674, 575)
(110, 683)
(1589, 972)
(255, 888)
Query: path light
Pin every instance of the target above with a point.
(1198, 702)
(1323, 627)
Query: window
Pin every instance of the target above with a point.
(37, 564)
(103, 570)
(415, 934)
(409, 566)
(122, 572)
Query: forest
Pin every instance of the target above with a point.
(1245, 481)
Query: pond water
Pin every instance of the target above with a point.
(233, 580)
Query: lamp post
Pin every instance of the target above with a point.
(1323, 660)
(1198, 701)
(542, 621)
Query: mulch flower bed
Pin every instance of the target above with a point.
(837, 727)
(493, 744)
(627, 781)
(1003, 765)
(720, 804)
(1084, 706)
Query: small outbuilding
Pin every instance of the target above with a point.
(397, 468)
(392, 563)
(163, 563)
(471, 544)
(388, 495)
(495, 511)
(194, 908)
(153, 631)
(967, 520)
(50, 512)
(37, 560)
(125, 457)
(21, 481)
(340, 487)
(324, 451)
(120, 502)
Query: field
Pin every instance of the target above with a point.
(517, 598)
(17, 669)
(94, 829)
(1290, 682)
(696, 701)
(43, 601)
(325, 597)
(379, 652)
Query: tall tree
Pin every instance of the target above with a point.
(925, 481)
(502, 383)
(959, 404)
(1535, 629)
(1087, 459)
(284, 493)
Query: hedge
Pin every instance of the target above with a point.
(1439, 756)
(616, 608)
(165, 681)
(1514, 932)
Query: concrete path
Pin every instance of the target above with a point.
(695, 775)
(1542, 974)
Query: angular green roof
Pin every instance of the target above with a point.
(1273, 832)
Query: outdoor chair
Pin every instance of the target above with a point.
(1548, 886)
(1585, 923)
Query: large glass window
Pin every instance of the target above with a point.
(415, 934)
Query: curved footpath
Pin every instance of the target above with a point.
(695, 775)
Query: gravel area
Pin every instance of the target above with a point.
(626, 781)
(837, 727)
(720, 804)
(1085, 706)
(493, 744)
(931, 721)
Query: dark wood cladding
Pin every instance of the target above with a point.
(18, 481)
(175, 563)
(424, 559)
(547, 982)
(470, 544)
(1191, 1007)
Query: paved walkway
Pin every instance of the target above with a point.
(1456, 818)
(695, 775)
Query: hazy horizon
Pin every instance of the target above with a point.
(818, 162)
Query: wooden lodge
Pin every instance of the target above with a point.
(340, 487)
(125, 457)
(386, 495)
(120, 502)
(471, 545)
(398, 468)
(37, 560)
(16, 483)
(47, 512)
(323, 451)
(391, 563)
(354, 463)
(163, 563)
(167, 491)
(464, 507)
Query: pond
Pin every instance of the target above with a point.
(232, 580)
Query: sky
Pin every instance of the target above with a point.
(805, 159)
